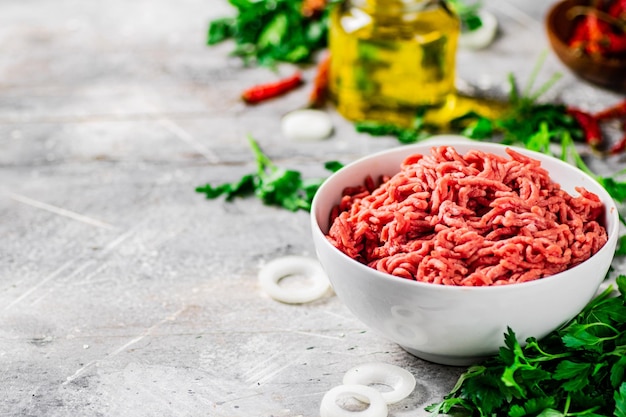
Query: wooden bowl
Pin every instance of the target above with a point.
(606, 72)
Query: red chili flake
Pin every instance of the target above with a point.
(616, 111)
(267, 91)
(589, 125)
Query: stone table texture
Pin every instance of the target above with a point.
(125, 293)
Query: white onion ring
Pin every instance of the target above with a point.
(401, 380)
(377, 405)
(306, 125)
(277, 269)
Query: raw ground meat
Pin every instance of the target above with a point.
(475, 219)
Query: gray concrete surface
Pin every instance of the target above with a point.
(125, 293)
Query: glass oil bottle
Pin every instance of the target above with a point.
(392, 58)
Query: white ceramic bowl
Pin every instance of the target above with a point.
(456, 325)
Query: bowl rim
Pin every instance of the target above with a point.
(611, 213)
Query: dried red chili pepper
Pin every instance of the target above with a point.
(320, 84)
(580, 36)
(597, 35)
(264, 92)
(616, 111)
(589, 125)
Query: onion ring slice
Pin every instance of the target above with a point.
(306, 125)
(277, 269)
(377, 405)
(400, 380)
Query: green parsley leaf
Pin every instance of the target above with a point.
(274, 33)
(578, 337)
(244, 186)
(271, 184)
(333, 166)
(574, 373)
(620, 401)
(621, 246)
(542, 405)
(481, 128)
(549, 412)
(621, 285)
(418, 130)
(513, 356)
(618, 371)
(616, 188)
(220, 30)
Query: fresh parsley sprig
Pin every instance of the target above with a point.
(577, 370)
(266, 32)
(272, 184)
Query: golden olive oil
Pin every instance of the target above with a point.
(390, 58)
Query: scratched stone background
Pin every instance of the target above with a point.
(125, 293)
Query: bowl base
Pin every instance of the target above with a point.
(445, 359)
